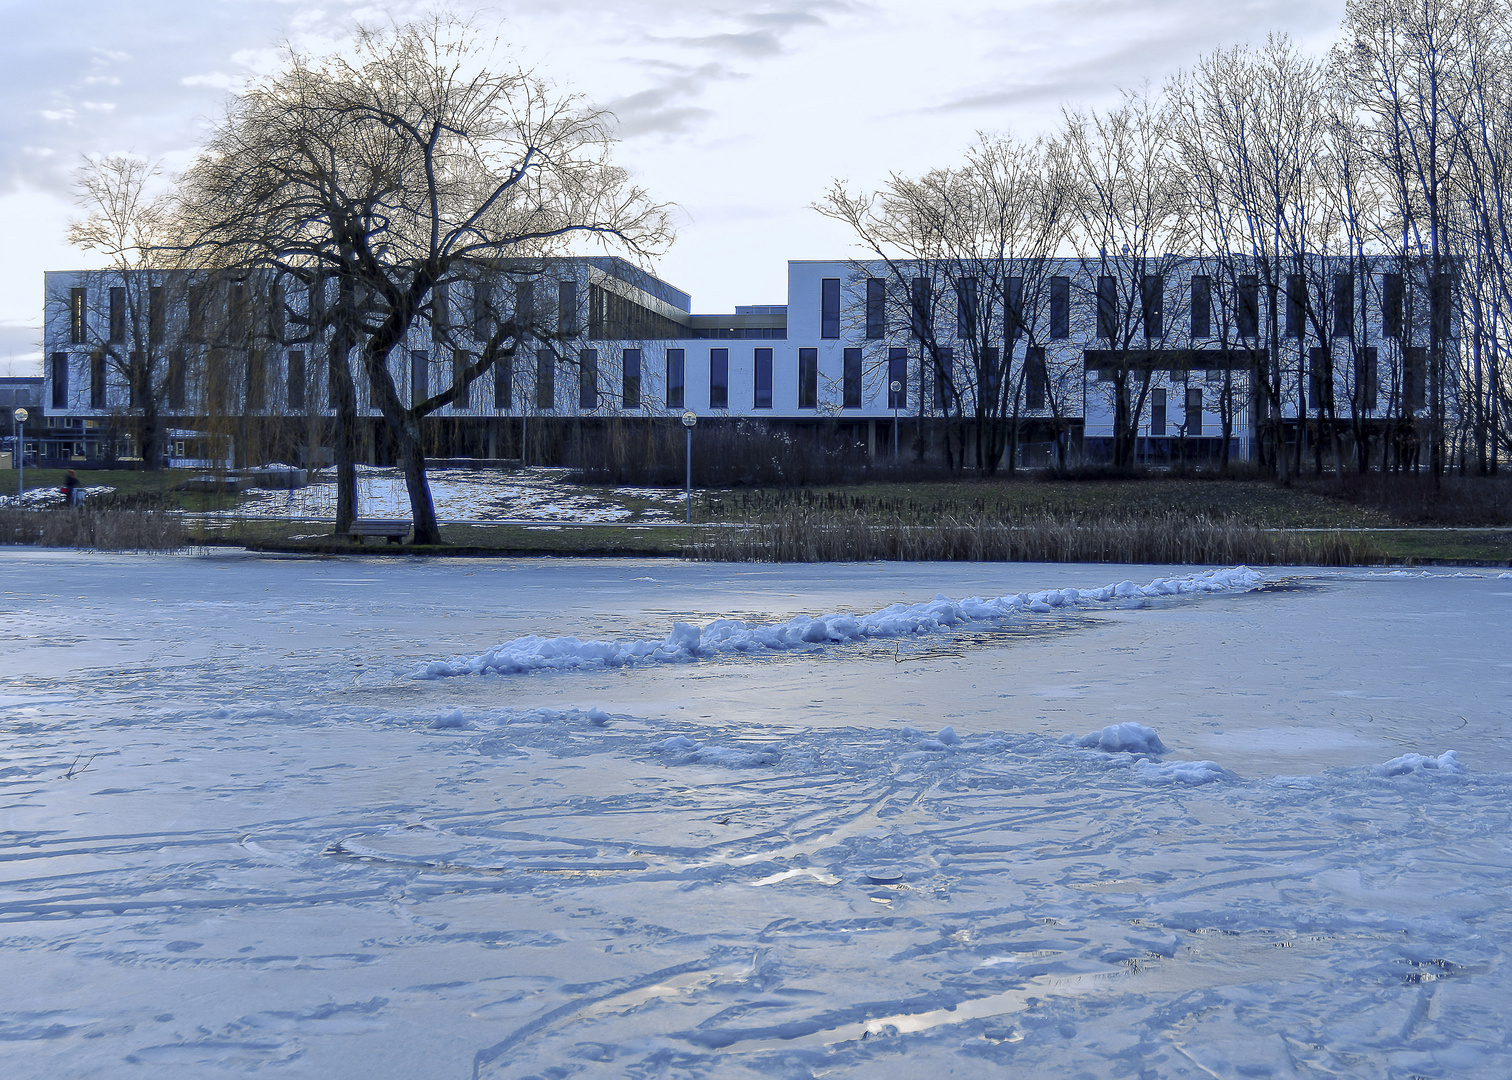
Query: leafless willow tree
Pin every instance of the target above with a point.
(977, 237)
(385, 180)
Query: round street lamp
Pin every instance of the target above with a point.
(689, 420)
(21, 416)
(894, 387)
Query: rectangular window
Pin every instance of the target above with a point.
(1391, 305)
(524, 312)
(1013, 309)
(97, 379)
(1060, 307)
(157, 317)
(1343, 304)
(967, 308)
(719, 378)
(136, 368)
(178, 380)
(257, 381)
(851, 388)
(1034, 378)
(195, 316)
(992, 369)
(463, 400)
(236, 316)
(545, 387)
(829, 307)
(675, 374)
(503, 382)
(944, 379)
(77, 316)
(59, 380)
(1194, 410)
(276, 312)
(1367, 379)
(1158, 411)
(482, 310)
(1152, 305)
(1319, 378)
(1107, 308)
(876, 308)
(297, 380)
(567, 308)
(117, 315)
(1248, 315)
(763, 399)
(314, 310)
(1414, 377)
(588, 379)
(630, 371)
(897, 372)
(1202, 306)
(440, 311)
(1296, 306)
(1441, 307)
(919, 303)
(808, 378)
(419, 376)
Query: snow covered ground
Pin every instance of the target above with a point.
(251, 826)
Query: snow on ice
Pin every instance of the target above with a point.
(1201, 837)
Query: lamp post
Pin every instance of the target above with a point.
(21, 416)
(892, 390)
(690, 420)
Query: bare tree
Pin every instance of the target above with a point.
(400, 172)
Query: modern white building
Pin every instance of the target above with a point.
(937, 359)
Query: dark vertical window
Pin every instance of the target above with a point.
(482, 310)
(314, 310)
(178, 380)
(59, 380)
(763, 387)
(851, 380)
(277, 330)
(503, 383)
(419, 376)
(1414, 376)
(236, 315)
(545, 387)
(1034, 377)
(967, 308)
(567, 308)
(1367, 379)
(524, 312)
(77, 316)
(1013, 309)
(1343, 305)
(808, 378)
(97, 379)
(1107, 308)
(1319, 372)
(1391, 305)
(919, 304)
(630, 369)
(1158, 411)
(257, 381)
(829, 307)
(876, 308)
(675, 378)
(1202, 306)
(897, 372)
(1440, 303)
(1247, 317)
(1296, 306)
(440, 311)
(1194, 410)
(993, 383)
(136, 367)
(157, 316)
(944, 378)
(463, 400)
(588, 379)
(719, 378)
(296, 392)
(1060, 307)
(1152, 305)
(117, 315)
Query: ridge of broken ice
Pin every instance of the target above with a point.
(1129, 738)
(687, 642)
(1447, 762)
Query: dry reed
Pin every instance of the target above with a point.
(108, 530)
(805, 536)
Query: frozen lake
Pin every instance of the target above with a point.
(240, 834)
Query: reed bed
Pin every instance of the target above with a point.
(807, 536)
(83, 527)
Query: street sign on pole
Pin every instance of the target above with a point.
(21, 416)
(690, 420)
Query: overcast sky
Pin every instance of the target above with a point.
(740, 113)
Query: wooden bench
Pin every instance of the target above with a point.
(394, 530)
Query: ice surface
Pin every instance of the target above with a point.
(241, 839)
